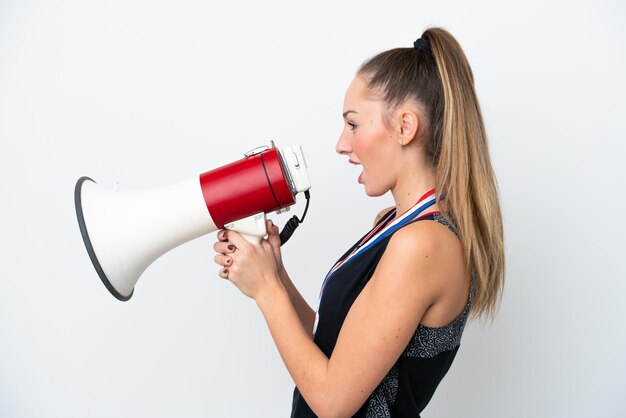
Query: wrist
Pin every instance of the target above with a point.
(270, 293)
(282, 273)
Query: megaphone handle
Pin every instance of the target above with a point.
(251, 228)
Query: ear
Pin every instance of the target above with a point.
(408, 127)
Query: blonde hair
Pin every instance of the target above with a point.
(440, 81)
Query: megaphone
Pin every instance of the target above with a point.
(126, 231)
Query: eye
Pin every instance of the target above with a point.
(352, 126)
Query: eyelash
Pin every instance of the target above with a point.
(352, 126)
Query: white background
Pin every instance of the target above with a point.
(150, 92)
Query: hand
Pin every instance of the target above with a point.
(273, 237)
(252, 268)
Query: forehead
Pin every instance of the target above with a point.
(356, 90)
(357, 97)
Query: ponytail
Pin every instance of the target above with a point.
(464, 172)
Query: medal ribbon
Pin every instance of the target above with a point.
(377, 234)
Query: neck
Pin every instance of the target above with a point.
(411, 186)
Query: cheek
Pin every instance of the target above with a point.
(368, 144)
(362, 142)
(359, 146)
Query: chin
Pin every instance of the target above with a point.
(374, 192)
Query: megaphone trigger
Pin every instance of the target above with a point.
(252, 228)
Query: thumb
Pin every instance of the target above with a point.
(273, 235)
(271, 228)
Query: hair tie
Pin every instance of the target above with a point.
(422, 44)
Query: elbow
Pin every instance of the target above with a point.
(334, 414)
(329, 413)
(333, 399)
(332, 407)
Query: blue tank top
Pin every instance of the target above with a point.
(410, 384)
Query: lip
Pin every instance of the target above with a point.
(353, 162)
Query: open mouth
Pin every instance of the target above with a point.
(354, 163)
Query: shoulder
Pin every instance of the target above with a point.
(424, 257)
(425, 236)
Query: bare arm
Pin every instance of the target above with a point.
(305, 313)
(406, 282)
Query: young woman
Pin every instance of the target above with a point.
(394, 307)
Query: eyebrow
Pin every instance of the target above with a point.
(348, 112)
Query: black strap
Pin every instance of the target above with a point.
(268, 181)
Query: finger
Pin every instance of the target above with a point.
(271, 228)
(266, 245)
(224, 247)
(223, 273)
(221, 235)
(223, 260)
(238, 241)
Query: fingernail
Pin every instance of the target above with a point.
(225, 271)
(231, 247)
(228, 261)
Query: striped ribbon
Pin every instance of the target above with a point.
(377, 234)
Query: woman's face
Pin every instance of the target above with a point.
(366, 140)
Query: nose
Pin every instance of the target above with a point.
(343, 146)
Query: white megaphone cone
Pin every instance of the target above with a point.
(126, 231)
